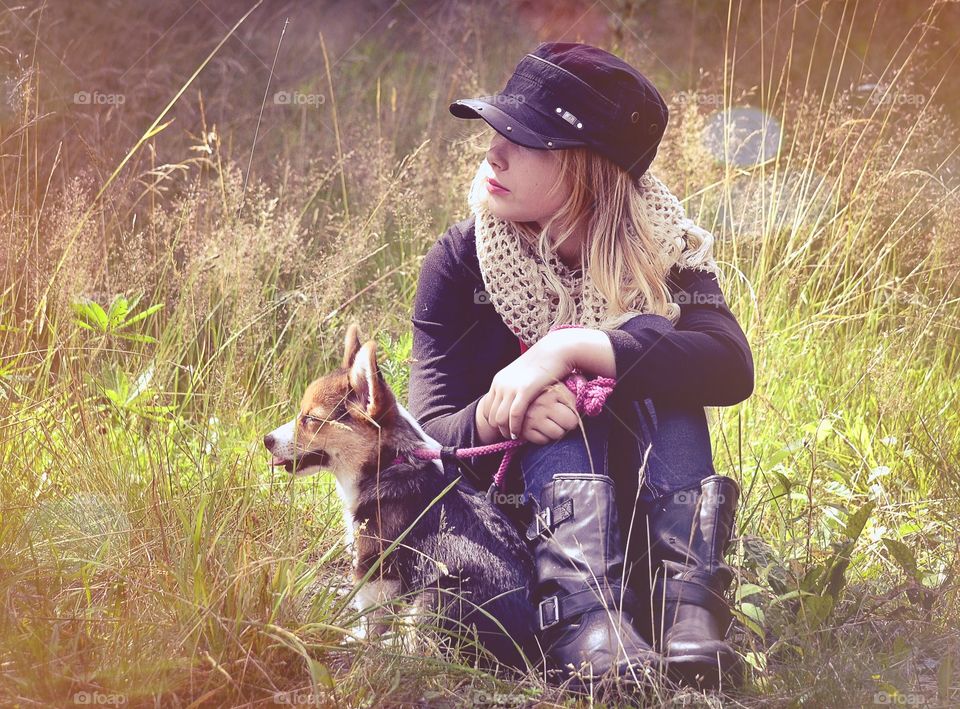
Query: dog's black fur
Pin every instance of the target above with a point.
(489, 568)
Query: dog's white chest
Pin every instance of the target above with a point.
(348, 493)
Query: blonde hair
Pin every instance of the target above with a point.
(620, 251)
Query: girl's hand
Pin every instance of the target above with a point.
(515, 386)
(551, 415)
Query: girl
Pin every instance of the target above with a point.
(630, 520)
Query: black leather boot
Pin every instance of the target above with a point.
(585, 610)
(688, 615)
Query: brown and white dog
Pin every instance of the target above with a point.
(462, 558)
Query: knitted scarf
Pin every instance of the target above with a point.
(521, 290)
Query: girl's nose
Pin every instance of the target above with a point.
(495, 154)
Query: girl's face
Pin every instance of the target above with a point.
(528, 174)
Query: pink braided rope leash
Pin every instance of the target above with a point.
(591, 395)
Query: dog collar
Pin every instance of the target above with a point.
(446, 454)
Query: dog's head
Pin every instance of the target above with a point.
(345, 417)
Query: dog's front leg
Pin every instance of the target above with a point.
(373, 600)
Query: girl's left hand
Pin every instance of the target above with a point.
(515, 386)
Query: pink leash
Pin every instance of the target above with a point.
(591, 396)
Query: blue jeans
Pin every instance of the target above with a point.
(679, 457)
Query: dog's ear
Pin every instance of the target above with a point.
(351, 344)
(370, 389)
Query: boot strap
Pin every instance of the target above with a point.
(554, 609)
(549, 517)
(679, 591)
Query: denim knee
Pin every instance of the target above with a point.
(578, 451)
(675, 439)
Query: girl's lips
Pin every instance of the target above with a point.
(494, 186)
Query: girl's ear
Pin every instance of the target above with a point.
(370, 390)
(351, 344)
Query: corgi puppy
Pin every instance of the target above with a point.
(460, 558)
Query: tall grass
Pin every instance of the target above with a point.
(151, 336)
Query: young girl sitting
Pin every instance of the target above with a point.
(569, 227)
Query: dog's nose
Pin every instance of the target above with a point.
(268, 441)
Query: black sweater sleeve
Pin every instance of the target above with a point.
(444, 388)
(704, 359)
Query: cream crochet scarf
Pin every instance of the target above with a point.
(519, 284)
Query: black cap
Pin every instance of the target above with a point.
(564, 95)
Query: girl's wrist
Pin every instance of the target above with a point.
(583, 348)
(561, 347)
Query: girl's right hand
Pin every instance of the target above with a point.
(551, 415)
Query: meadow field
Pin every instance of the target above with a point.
(196, 198)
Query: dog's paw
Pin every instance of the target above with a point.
(369, 627)
(353, 636)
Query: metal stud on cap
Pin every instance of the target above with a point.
(509, 127)
(635, 116)
(568, 117)
(549, 143)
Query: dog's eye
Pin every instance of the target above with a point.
(338, 414)
(340, 411)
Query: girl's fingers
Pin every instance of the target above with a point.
(518, 410)
(536, 436)
(552, 430)
(502, 420)
(567, 396)
(492, 407)
(564, 417)
(483, 408)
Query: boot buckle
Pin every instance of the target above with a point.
(548, 612)
(542, 521)
(549, 517)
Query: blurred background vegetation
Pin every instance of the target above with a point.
(169, 288)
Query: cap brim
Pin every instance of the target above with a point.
(515, 125)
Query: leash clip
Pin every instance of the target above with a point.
(449, 460)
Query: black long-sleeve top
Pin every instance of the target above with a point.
(460, 342)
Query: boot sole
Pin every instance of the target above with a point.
(644, 675)
(653, 663)
(704, 671)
